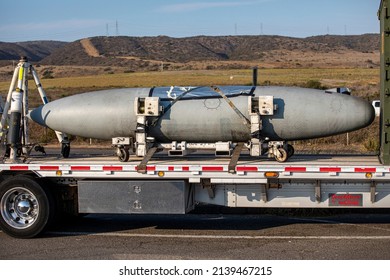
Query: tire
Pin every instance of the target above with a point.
(290, 150)
(123, 154)
(282, 156)
(26, 209)
(65, 150)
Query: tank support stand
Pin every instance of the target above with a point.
(148, 111)
(14, 122)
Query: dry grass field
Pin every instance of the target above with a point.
(354, 78)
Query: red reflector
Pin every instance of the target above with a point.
(80, 168)
(330, 169)
(19, 167)
(362, 169)
(247, 168)
(295, 169)
(212, 168)
(112, 168)
(150, 168)
(54, 168)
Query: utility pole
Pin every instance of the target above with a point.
(116, 28)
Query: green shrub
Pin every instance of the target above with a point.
(314, 84)
(371, 145)
(47, 74)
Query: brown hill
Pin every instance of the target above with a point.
(201, 52)
(139, 50)
(34, 50)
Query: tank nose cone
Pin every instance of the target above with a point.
(367, 113)
(37, 115)
(357, 114)
(371, 113)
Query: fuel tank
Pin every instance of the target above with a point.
(199, 114)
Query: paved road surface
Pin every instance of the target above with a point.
(278, 235)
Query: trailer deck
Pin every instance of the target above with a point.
(84, 163)
(106, 155)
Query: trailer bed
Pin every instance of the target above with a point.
(99, 155)
(102, 163)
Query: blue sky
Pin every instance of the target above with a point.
(69, 20)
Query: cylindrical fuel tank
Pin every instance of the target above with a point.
(202, 115)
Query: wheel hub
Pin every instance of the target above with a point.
(23, 206)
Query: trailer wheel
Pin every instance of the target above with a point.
(26, 208)
(290, 150)
(281, 155)
(123, 154)
(65, 150)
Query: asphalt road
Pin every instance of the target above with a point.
(285, 235)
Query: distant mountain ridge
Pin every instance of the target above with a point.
(34, 50)
(124, 50)
(203, 48)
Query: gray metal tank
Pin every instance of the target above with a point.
(204, 116)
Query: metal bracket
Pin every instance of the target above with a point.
(373, 191)
(223, 149)
(140, 136)
(206, 184)
(387, 31)
(318, 191)
(264, 192)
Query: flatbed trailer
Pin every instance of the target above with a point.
(93, 181)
